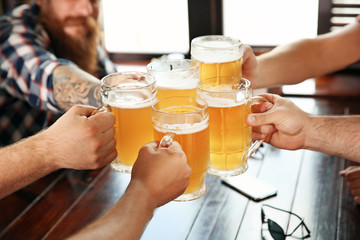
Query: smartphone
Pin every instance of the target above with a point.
(250, 186)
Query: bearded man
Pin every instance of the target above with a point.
(50, 60)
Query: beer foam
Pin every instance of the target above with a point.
(176, 75)
(216, 44)
(129, 101)
(178, 82)
(186, 128)
(220, 52)
(130, 84)
(221, 102)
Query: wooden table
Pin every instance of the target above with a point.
(308, 184)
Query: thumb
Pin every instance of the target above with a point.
(259, 119)
(153, 146)
(176, 147)
(342, 173)
(82, 110)
(261, 107)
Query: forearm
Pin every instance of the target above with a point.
(128, 218)
(338, 135)
(286, 64)
(73, 86)
(307, 58)
(24, 162)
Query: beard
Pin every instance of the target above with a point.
(80, 49)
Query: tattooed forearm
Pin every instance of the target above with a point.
(73, 86)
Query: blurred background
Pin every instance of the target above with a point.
(142, 29)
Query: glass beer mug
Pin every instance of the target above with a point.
(218, 56)
(178, 77)
(186, 120)
(229, 101)
(129, 96)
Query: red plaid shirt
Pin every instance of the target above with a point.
(27, 63)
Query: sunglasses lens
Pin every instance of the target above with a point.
(262, 216)
(275, 230)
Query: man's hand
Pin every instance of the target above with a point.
(283, 126)
(80, 141)
(352, 176)
(163, 173)
(249, 66)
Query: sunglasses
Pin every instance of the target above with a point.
(276, 232)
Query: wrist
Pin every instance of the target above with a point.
(44, 146)
(143, 197)
(313, 137)
(261, 76)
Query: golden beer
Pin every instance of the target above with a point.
(208, 70)
(218, 56)
(133, 129)
(168, 92)
(230, 136)
(195, 144)
(188, 119)
(130, 96)
(229, 101)
(177, 77)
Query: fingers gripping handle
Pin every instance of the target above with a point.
(166, 140)
(255, 145)
(105, 108)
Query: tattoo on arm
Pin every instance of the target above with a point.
(73, 86)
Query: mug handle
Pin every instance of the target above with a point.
(256, 144)
(166, 140)
(105, 108)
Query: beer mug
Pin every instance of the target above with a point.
(129, 97)
(186, 120)
(229, 101)
(178, 77)
(218, 56)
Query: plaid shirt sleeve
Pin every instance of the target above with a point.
(26, 66)
(105, 62)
